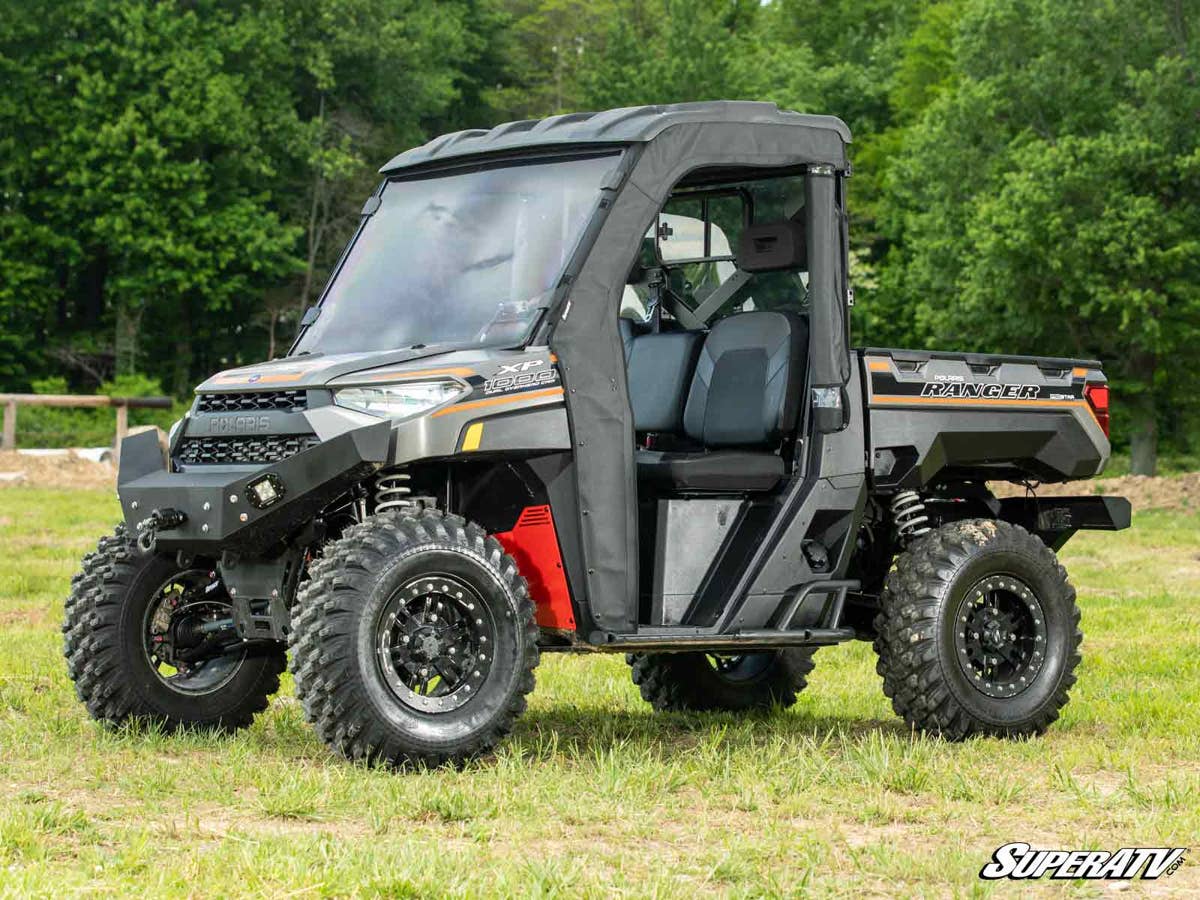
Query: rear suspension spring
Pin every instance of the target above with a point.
(908, 514)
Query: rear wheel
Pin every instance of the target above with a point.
(414, 641)
(148, 639)
(712, 681)
(979, 632)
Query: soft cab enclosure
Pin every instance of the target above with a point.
(586, 335)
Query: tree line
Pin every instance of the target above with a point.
(177, 177)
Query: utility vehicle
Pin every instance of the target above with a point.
(584, 383)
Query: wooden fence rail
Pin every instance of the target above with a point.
(122, 405)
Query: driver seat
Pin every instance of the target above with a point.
(743, 399)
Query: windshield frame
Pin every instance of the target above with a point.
(622, 159)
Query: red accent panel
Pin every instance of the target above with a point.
(533, 543)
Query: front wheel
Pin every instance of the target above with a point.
(978, 632)
(147, 639)
(414, 641)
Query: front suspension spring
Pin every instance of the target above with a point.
(392, 491)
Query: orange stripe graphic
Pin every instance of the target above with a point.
(901, 400)
(496, 401)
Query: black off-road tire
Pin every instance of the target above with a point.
(103, 644)
(340, 680)
(922, 605)
(692, 681)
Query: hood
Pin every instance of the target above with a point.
(310, 371)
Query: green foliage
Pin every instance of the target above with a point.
(176, 168)
(925, 67)
(550, 45)
(176, 193)
(685, 50)
(1049, 187)
(134, 385)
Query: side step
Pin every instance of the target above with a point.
(764, 639)
(830, 631)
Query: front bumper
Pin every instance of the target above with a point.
(219, 513)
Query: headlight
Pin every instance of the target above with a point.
(398, 401)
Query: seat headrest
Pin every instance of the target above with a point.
(772, 247)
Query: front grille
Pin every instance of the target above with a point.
(253, 401)
(235, 450)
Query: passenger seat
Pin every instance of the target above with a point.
(659, 369)
(743, 399)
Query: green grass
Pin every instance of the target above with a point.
(1169, 463)
(595, 795)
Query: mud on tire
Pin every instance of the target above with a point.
(949, 608)
(103, 634)
(704, 682)
(373, 597)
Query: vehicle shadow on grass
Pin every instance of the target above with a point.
(559, 730)
(589, 730)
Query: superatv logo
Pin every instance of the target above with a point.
(967, 389)
(1019, 861)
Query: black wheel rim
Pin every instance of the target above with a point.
(740, 667)
(1000, 636)
(435, 639)
(181, 654)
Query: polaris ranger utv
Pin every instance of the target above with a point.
(584, 383)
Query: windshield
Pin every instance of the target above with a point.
(467, 258)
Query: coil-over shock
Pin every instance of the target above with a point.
(908, 516)
(393, 490)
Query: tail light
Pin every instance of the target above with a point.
(1097, 398)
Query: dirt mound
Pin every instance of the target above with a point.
(60, 470)
(1144, 492)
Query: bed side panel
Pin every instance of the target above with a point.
(983, 417)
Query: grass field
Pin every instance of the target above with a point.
(595, 795)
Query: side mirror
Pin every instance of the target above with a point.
(829, 409)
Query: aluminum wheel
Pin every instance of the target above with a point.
(1000, 636)
(184, 634)
(434, 639)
